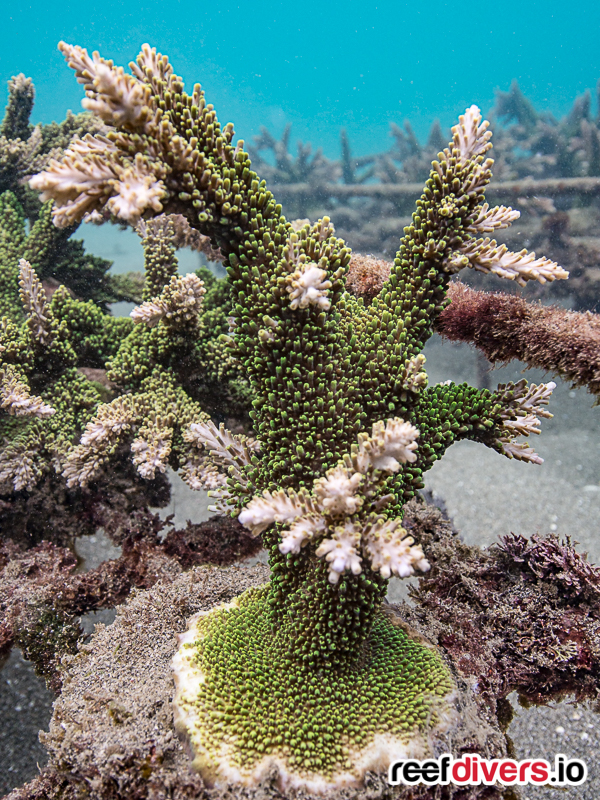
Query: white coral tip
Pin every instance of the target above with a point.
(392, 445)
(136, 193)
(337, 492)
(341, 552)
(521, 452)
(308, 286)
(264, 510)
(471, 136)
(301, 532)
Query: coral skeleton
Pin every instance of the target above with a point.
(308, 674)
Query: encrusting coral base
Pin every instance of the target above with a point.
(112, 735)
(247, 705)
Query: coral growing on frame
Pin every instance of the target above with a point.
(345, 423)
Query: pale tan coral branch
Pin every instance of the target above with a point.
(489, 219)
(18, 466)
(486, 255)
(101, 434)
(118, 99)
(179, 303)
(471, 136)
(223, 453)
(34, 302)
(15, 398)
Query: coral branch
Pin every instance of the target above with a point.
(101, 435)
(179, 304)
(16, 399)
(34, 301)
(486, 255)
(313, 516)
(486, 219)
(117, 98)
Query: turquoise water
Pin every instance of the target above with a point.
(321, 65)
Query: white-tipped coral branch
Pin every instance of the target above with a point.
(348, 490)
(137, 190)
(308, 285)
(415, 378)
(154, 69)
(342, 551)
(532, 398)
(18, 466)
(80, 182)
(301, 531)
(520, 451)
(151, 449)
(15, 398)
(179, 303)
(336, 493)
(95, 174)
(391, 551)
(524, 405)
(200, 472)
(34, 302)
(388, 446)
(307, 282)
(101, 435)
(471, 136)
(118, 99)
(489, 219)
(486, 255)
(273, 507)
(223, 451)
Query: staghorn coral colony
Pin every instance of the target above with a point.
(65, 361)
(309, 672)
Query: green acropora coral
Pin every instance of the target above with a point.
(25, 150)
(53, 423)
(309, 673)
(155, 365)
(170, 367)
(44, 400)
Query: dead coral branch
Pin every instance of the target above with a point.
(506, 327)
(41, 596)
(522, 616)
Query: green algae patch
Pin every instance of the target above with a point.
(245, 703)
